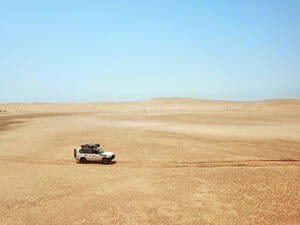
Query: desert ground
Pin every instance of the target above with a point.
(178, 161)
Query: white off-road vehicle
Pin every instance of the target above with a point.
(92, 152)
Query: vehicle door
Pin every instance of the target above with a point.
(83, 153)
(89, 155)
(98, 156)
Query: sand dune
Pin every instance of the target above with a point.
(178, 161)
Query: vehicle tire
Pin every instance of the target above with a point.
(105, 160)
(82, 160)
(74, 153)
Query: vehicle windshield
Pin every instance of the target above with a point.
(101, 150)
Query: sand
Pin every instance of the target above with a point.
(178, 161)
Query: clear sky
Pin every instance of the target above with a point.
(77, 51)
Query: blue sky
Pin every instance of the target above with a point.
(91, 51)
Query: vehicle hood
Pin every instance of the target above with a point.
(107, 154)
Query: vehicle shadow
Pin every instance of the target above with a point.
(98, 162)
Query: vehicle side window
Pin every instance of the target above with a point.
(90, 151)
(84, 151)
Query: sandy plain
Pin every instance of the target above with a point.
(178, 161)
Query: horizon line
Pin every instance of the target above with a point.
(151, 99)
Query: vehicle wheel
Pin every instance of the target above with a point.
(82, 160)
(105, 160)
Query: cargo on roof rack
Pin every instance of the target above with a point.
(90, 146)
